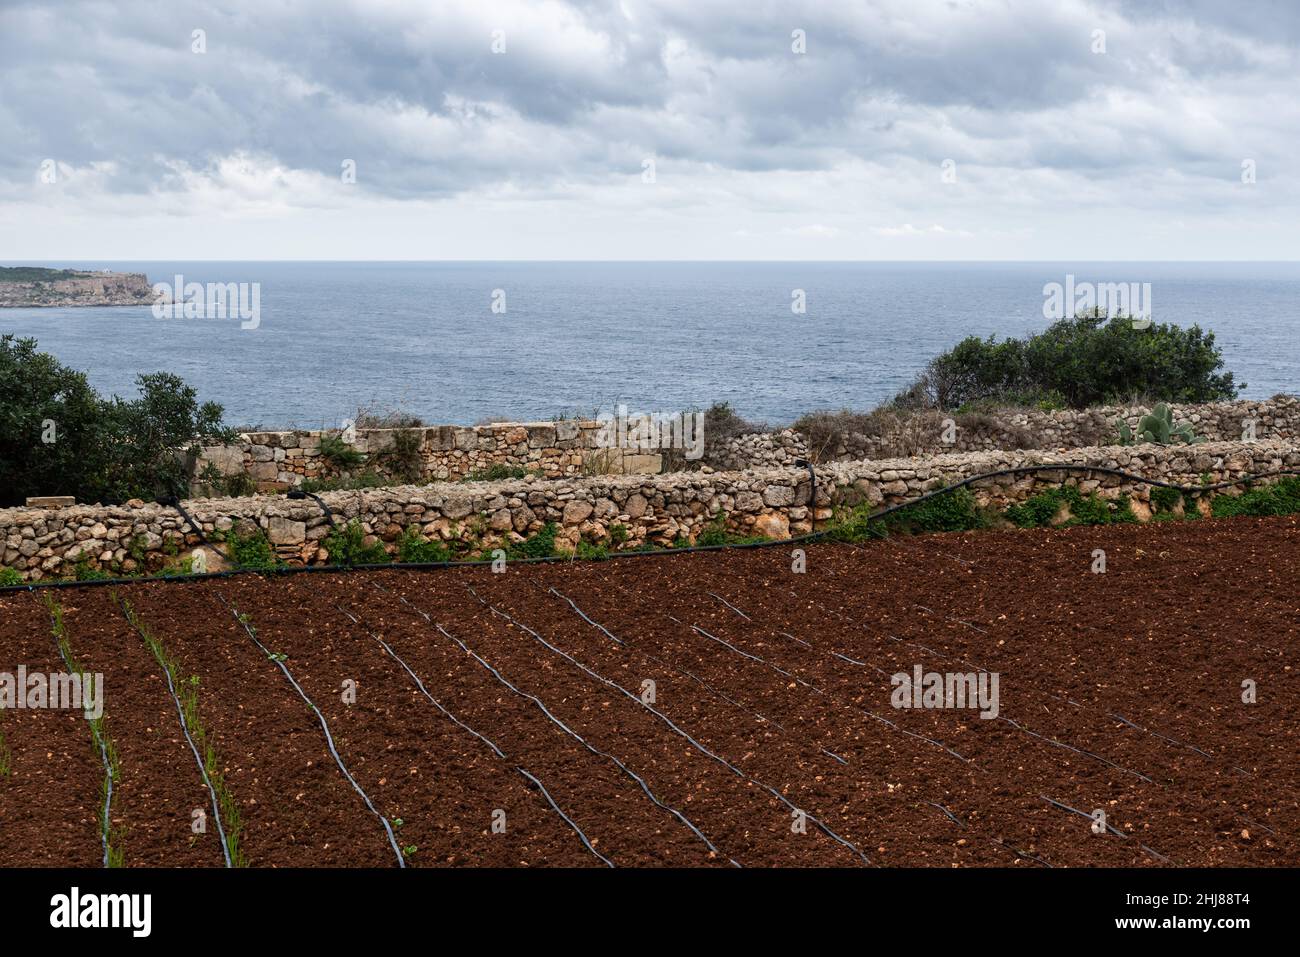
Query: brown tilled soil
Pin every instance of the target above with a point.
(707, 709)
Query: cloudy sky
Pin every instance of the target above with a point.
(649, 129)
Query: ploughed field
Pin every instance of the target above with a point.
(508, 720)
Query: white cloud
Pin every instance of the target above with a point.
(760, 152)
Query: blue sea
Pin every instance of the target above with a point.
(577, 337)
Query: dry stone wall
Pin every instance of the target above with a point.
(776, 502)
(276, 461)
(927, 433)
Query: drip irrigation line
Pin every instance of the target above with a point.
(1048, 694)
(568, 820)
(671, 724)
(1015, 724)
(491, 744)
(825, 650)
(667, 664)
(580, 739)
(420, 684)
(570, 732)
(762, 718)
(203, 771)
(329, 513)
(1084, 707)
(730, 605)
(329, 738)
(1019, 853)
(659, 553)
(952, 817)
(835, 699)
(105, 824)
(1110, 827)
(499, 753)
(995, 841)
(1070, 747)
(832, 698)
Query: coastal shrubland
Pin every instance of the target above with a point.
(1085, 361)
(58, 436)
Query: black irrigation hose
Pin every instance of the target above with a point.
(420, 684)
(490, 743)
(659, 553)
(180, 714)
(1109, 827)
(329, 513)
(329, 738)
(762, 718)
(567, 730)
(106, 823)
(671, 724)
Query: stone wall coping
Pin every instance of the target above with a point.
(1131, 458)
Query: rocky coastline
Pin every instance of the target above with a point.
(24, 287)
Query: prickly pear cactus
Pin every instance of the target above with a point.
(1125, 433)
(1158, 427)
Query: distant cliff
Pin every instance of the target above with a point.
(32, 286)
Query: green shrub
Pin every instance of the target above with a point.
(346, 546)
(540, 545)
(1039, 510)
(10, 577)
(342, 455)
(1084, 361)
(413, 548)
(618, 535)
(715, 533)
(251, 551)
(58, 436)
(953, 512)
(1280, 498)
(83, 571)
(592, 551)
(1165, 499)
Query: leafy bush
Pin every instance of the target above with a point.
(715, 533)
(1280, 498)
(236, 485)
(9, 577)
(346, 546)
(1165, 499)
(592, 551)
(1088, 360)
(83, 571)
(541, 545)
(1041, 509)
(955, 511)
(340, 454)
(413, 548)
(251, 551)
(60, 437)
